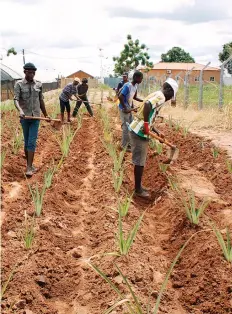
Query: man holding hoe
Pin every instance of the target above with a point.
(126, 96)
(140, 128)
(66, 95)
(28, 99)
(82, 90)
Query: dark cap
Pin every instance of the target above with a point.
(29, 66)
(84, 80)
(125, 74)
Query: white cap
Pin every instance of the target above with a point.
(76, 79)
(173, 84)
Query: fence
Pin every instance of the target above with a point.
(201, 93)
(112, 81)
(7, 88)
(92, 83)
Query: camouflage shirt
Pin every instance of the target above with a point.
(29, 95)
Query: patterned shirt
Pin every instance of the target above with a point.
(29, 95)
(156, 99)
(128, 91)
(69, 90)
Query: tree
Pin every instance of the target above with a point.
(224, 55)
(11, 51)
(133, 55)
(177, 54)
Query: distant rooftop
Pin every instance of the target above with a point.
(7, 74)
(182, 66)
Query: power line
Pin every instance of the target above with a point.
(55, 57)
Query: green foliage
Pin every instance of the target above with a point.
(11, 51)
(131, 57)
(123, 205)
(163, 167)
(48, 176)
(155, 145)
(177, 54)
(225, 54)
(215, 152)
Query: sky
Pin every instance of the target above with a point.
(61, 37)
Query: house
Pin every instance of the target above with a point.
(81, 74)
(163, 70)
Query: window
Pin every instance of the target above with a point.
(197, 78)
(212, 79)
(169, 71)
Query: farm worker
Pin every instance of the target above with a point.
(126, 96)
(82, 97)
(28, 99)
(140, 127)
(66, 95)
(122, 82)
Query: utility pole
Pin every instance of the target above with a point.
(23, 57)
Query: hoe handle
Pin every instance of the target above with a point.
(163, 140)
(41, 118)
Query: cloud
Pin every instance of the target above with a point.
(198, 12)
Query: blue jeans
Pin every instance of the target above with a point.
(125, 118)
(30, 133)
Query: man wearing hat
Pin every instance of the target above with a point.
(29, 101)
(140, 127)
(82, 90)
(66, 95)
(121, 83)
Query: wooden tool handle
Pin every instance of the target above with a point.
(41, 118)
(161, 139)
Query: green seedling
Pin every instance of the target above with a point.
(125, 242)
(185, 130)
(29, 231)
(67, 137)
(224, 244)
(5, 285)
(117, 179)
(215, 152)
(177, 125)
(37, 197)
(229, 165)
(3, 156)
(173, 182)
(124, 205)
(155, 145)
(48, 176)
(163, 167)
(17, 140)
(192, 210)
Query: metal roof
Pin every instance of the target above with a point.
(7, 74)
(182, 66)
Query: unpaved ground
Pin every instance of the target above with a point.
(78, 222)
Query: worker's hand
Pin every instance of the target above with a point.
(146, 128)
(48, 117)
(173, 102)
(21, 114)
(127, 110)
(135, 109)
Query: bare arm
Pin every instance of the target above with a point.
(42, 104)
(136, 98)
(146, 111)
(16, 100)
(121, 98)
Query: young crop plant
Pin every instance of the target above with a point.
(229, 165)
(48, 176)
(226, 245)
(215, 152)
(17, 140)
(37, 197)
(29, 231)
(163, 167)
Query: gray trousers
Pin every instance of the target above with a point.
(125, 118)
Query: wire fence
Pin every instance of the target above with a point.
(7, 88)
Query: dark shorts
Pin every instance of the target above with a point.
(63, 105)
(139, 146)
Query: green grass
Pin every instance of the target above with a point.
(8, 105)
(215, 152)
(5, 285)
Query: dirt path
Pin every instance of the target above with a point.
(78, 222)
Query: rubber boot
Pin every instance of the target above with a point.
(139, 191)
(30, 159)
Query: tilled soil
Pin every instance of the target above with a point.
(78, 222)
